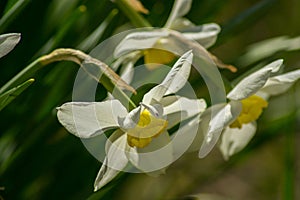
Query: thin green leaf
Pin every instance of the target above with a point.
(11, 94)
(9, 5)
(64, 29)
(95, 36)
(12, 12)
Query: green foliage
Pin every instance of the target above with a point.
(11, 94)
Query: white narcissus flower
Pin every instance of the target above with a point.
(141, 136)
(158, 45)
(236, 120)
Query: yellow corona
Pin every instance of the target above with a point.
(251, 110)
(147, 128)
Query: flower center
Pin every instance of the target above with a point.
(147, 128)
(251, 109)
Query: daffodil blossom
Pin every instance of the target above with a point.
(157, 46)
(236, 120)
(141, 136)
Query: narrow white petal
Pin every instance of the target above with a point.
(255, 81)
(8, 42)
(280, 84)
(179, 73)
(139, 41)
(202, 62)
(205, 34)
(180, 8)
(156, 109)
(127, 69)
(154, 157)
(131, 119)
(181, 108)
(235, 139)
(127, 72)
(155, 94)
(115, 161)
(126, 66)
(124, 60)
(174, 81)
(214, 121)
(88, 119)
(203, 126)
(184, 138)
(181, 24)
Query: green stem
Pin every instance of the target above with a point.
(110, 80)
(12, 13)
(25, 74)
(136, 19)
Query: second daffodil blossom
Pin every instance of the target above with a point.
(236, 120)
(162, 45)
(141, 136)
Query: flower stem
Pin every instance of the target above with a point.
(136, 19)
(110, 80)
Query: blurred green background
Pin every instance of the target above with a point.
(39, 159)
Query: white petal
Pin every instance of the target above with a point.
(255, 81)
(181, 108)
(180, 24)
(155, 109)
(174, 81)
(185, 136)
(127, 72)
(115, 161)
(88, 119)
(127, 68)
(214, 120)
(280, 84)
(180, 8)
(202, 62)
(179, 73)
(205, 34)
(125, 59)
(139, 41)
(8, 42)
(131, 119)
(155, 94)
(126, 65)
(235, 139)
(156, 156)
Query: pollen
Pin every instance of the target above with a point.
(252, 108)
(146, 129)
